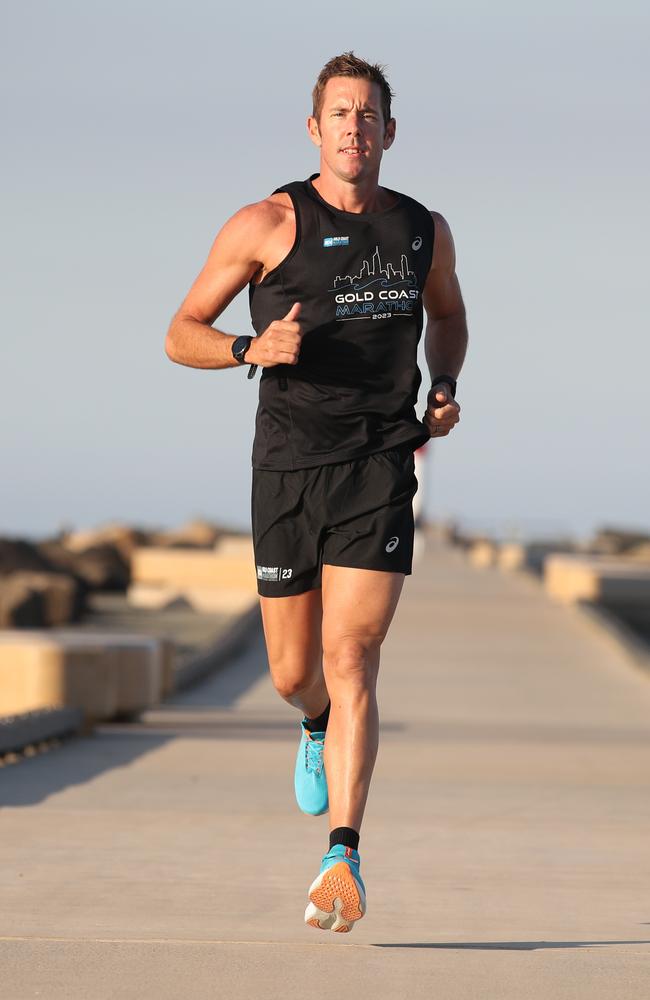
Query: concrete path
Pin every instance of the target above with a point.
(506, 846)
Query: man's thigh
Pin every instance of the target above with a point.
(358, 604)
(292, 630)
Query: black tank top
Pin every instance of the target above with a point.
(359, 278)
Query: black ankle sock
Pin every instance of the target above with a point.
(345, 835)
(318, 725)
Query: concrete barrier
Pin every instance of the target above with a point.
(168, 667)
(183, 568)
(138, 662)
(529, 555)
(240, 546)
(102, 674)
(217, 600)
(599, 579)
(39, 670)
(483, 554)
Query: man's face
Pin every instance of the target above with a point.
(351, 131)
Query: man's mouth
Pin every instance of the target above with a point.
(352, 150)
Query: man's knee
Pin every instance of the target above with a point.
(292, 675)
(352, 659)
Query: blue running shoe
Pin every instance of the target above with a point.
(310, 780)
(337, 896)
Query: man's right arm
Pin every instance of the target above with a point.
(237, 254)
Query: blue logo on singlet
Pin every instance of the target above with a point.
(336, 241)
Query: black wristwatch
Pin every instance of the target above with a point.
(451, 382)
(239, 347)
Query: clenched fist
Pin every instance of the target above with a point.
(279, 344)
(443, 412)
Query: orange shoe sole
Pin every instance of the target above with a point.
(336, 901)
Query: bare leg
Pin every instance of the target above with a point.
(358, 607)
(292, 629)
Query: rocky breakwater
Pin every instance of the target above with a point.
(47, 583)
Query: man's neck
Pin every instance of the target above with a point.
(364, 196)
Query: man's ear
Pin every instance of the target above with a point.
(389, 133)
(314, 131)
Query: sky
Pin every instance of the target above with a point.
(133, 131)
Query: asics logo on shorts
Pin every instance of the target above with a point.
(392, 544)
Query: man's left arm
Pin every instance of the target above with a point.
(445, 341)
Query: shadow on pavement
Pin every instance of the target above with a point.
(80, 759)
(505, 945)
(77, 761)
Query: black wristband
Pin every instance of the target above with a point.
(451, 382)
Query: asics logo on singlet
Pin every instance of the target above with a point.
(392, 544)
(417, 243)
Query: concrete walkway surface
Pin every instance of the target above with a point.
(505, 848)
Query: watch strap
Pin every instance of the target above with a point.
(451, 382)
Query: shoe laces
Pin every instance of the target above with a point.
(314, 755)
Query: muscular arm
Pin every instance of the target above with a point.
(236, 255)
(445, 342)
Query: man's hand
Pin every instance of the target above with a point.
(442, 413)
(279, 344)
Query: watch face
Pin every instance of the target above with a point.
(239, 347)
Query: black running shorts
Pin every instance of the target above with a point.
(357, 514)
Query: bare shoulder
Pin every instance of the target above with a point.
(248, 245)
(269, 212)
(441, 227)
(444, 253)
(269, 225)
(259, 219)
(257, 237)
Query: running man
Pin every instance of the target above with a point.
(339, 270)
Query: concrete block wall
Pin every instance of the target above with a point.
(100, 674)
(605, 579)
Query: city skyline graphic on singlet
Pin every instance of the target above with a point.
(356, 299)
